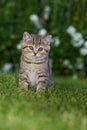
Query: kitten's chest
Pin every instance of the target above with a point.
(32, 77)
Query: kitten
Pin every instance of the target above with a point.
(35, 69)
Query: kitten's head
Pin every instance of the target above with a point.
(35, 46)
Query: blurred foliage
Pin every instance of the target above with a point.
(15, 19)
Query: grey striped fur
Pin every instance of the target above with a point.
(35, 69)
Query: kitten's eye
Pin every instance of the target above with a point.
(30, 47)
(40, 49)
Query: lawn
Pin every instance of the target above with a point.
(64, 108)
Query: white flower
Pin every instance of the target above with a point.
(83, 51)
(35, 19)
(77, 39)
(56, 41)
(77, 36)
(85, 44)
(42, 32)
(66, 62)
(7, 67)
(71, 30)
(46, 14)
(19, 46)
(80, 66)
(78, 43)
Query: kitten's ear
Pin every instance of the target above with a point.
(26, 36)
(48, 39)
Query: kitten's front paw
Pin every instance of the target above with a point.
(40, 91)
(23, 88)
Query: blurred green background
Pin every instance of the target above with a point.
(65, 20)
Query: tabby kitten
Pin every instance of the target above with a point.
(35, 69)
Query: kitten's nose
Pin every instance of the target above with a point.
(35, 54)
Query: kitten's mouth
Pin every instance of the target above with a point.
(35, 56)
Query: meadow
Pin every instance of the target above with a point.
(63, 108)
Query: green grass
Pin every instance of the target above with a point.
(64, 108)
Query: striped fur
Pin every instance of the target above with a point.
(35, 69)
